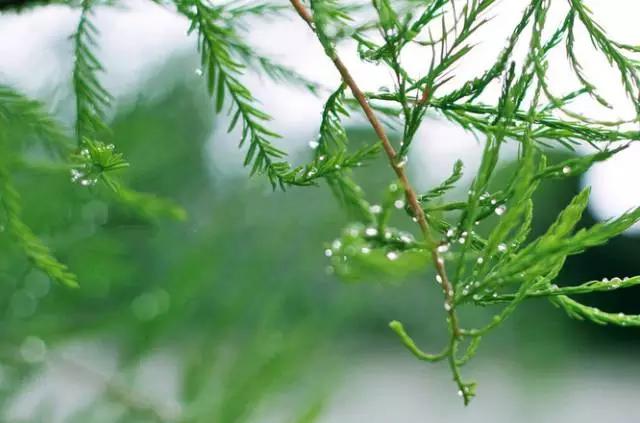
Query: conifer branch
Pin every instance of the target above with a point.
(398, 168)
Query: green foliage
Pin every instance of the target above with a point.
(480, 247)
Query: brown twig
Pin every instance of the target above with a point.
(398, 168)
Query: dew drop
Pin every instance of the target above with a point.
(443, 248)
(415, 219)
(406, 238)
(328, 252)
(500, 210)
(365, 250)
(566, 170)
(462, 240)
(447, 306)
(493, 201)
(371, 231)
(198, 72)
(460, 393)
(322, 157)
(439, 279)
(393, 187)
(451, 233)
(392, 255)
(398, 204)
(313, 144)
(502, 247)
(480, 260)
(336, 244)
(403, 161)
(375, 209)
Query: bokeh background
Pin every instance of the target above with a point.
(232, 315)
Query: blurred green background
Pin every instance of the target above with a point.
(233, 317)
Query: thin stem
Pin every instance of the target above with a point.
(410, 193)
(398, 168)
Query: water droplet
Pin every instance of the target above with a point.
(493, 201)
(371, 231)
(465, 233)
(322, 157)
(337, 167)
(365, 250)
(336, 244)
(33, 349)
(502, 247)
(328, 252)
(76, 175)
(554, 287)
(375, 209)
(462, 240)
(443, 248)
(387, 235)
(392, 255)
(465, 291)
(313, 144)
(398, 204)
(393, 187)
(480, 260)
(494, 295)
(447, 306)
(440, 260)
(460, 393)
(476, 297)
(477, 222)
(439, 279)
(451, 233)
(500, 210)
(415, 219)
(87, 182)
(383, 89)
(403, 161)
(621, 315)
(406, 238)
(198, 72)
(566, 170)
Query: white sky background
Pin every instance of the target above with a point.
(138, 37)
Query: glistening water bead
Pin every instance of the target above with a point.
(392, 255)
(500, 209)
